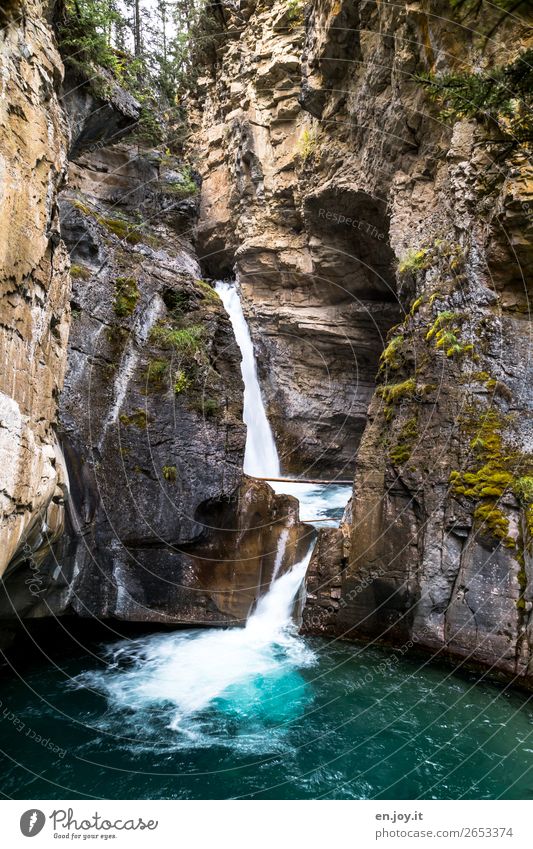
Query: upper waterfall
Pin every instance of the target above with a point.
(260, 457)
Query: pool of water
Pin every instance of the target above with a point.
(321, 505)
(281, 717)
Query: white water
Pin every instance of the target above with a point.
(280, 553)
(190, 670)
(260, 457)
(242, 672)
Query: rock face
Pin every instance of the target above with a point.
(348, 207)
(313, 262)
(162, 527)
(34, 284)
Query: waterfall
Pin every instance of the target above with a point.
(260, 457)
(280, 553)
(238, 673)
(191, 670)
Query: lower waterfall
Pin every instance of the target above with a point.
(190, 671)
(241, 671)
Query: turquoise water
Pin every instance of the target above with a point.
(305, 719)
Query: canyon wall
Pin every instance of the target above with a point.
(34, 283)
(138, 508)
(363, 223)
(318, 293)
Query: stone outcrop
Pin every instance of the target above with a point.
(313, 263)
(161, 526)
(358, 219)
(34, 284)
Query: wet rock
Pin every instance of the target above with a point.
(34, 285)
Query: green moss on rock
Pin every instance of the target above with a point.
(126, 296)
(80, 272)
(139, 418)
(401, 452)
(170, 473)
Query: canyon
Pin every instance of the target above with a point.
(382, 257)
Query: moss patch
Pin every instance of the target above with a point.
(184, 340)
(496, 470)
(445, 332)
(413, 261)
(138, 418)
(394, 393)
(391, 357)
(407, 437)
(307, 145)
(181, 382)
(184, 187)
(126, 296)
(122, 229)
(80, 272)
(207, 292)
(156, 372)
(170, 473)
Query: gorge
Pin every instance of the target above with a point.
(321, 273)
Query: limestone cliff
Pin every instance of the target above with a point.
(162, 526)
(361, 224)
(319, 293)
(160, 523)
(34, 311)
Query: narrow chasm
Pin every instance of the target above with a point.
(266, 453)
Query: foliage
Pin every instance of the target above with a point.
(307, 144)
(170, 473)
(126, 296)
(500, 97)
(156, 372)
(138, 418)
(495, 469)
(80, 272)
(391, 356)
(154, 50)
(295, 12)
(183, 340)
(185, 186)
(85, 34)
(414, 260)
(181, 382)
(122, 229)
(394, 393)
(407, 437)
(208, 293)
(446, 334)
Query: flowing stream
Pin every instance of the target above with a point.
(260, 457)
(190, 671)
(258, 712)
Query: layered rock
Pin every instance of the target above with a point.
(347, 205)
(34, 284)
(314, 266)
(162, 527)
(436, 547)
